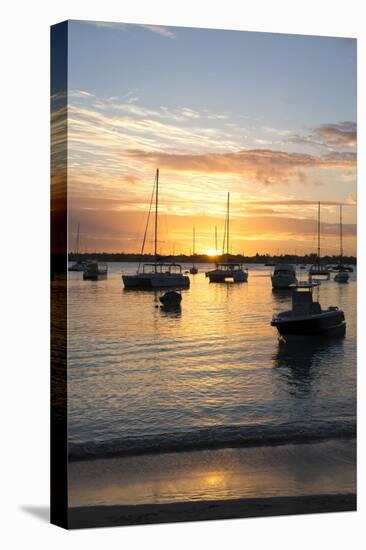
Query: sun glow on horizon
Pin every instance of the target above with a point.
(212, 252)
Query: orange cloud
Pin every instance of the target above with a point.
(264, 165)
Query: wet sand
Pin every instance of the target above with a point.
(213, 484)
(107, 516)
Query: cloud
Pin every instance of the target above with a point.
(163, 31)
(332, 135)
(158, 29)
(266, 166)
(301, 202)
(343, 134)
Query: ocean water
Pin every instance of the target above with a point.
(141, 379)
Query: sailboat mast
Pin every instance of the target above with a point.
(215, 239)
(228, 224)
(194, 240)
(156, 213)
(340, 231)
(78, 239)
(318, 232)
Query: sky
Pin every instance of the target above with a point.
(270, 118)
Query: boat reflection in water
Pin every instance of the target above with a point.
(301, 364)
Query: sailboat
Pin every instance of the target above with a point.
(227, 270)
(319, 270)
(342, 275)
(156, 274)
(194, 269)
(79, 265)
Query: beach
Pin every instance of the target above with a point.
(242, 482)
(109, 516)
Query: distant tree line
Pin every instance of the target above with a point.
(204, 258)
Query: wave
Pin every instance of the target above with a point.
(212, 438)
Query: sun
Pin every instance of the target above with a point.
(212, 252)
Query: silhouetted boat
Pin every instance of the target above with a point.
(171, 299)
(79, 265)
(283, 276)
(319, 270)
(228, 270)
(307, 318)
(95, 271)
(194, 270)
(342, 275)
(157, 274)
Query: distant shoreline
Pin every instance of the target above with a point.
(106, 516)
(203, 258)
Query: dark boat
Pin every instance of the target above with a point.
(157, 274)
(228, 270)
(319, 270)
(194, 270)
(95, 271)
(307, 318)
(171, 299)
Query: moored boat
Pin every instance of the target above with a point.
(95, 271)
(283, 276)
(229, 270)
(307, 318)
(157, 274)
(319, 270)
(193, 270)
(171, 299)
(80, 265)
(342, 275)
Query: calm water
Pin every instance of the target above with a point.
(139, 376)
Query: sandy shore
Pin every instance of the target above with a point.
(106, 516)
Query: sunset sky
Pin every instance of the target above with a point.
(269, 117)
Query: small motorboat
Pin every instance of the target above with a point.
(228, 271)
(307, 318)
(80, 265)
(341, 277)
(171, 299)
(320, 271)
(283, 276)
(95, 271)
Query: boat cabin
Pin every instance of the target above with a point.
(162, 268)
(228, 266)
(303, 304)
(319, 270)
